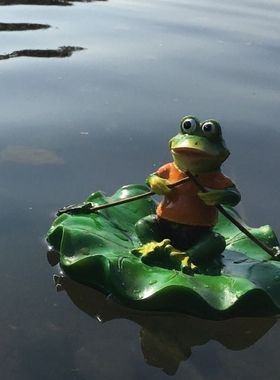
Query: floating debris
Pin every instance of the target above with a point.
(29, 155)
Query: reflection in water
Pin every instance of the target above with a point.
(45, 2)
(167, 339)
(4, 27)
(61, 52)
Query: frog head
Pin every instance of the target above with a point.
(199, 147)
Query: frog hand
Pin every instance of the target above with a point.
(159, 185)
(212, 197)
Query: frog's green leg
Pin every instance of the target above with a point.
(206, 253)
(203, 257)
(147, 230)
(153, 243)
(207, 249)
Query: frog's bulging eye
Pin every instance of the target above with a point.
(188, 125)
(209, 128)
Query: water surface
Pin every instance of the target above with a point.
(101, 117)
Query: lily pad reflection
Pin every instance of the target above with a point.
(167, 339)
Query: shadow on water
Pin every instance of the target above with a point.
(46, 2)
(61, 52)
(167, 339)
(18, 27)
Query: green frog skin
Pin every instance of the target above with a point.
(182, 229)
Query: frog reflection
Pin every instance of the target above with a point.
(167, 339)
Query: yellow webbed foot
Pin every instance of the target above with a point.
(187, 266)
(151, 249)
(182, 260)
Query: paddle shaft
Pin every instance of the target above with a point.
(231, 219)
(136, 197)
(177, 183)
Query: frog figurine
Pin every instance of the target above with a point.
(181, 232)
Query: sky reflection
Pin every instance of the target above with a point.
(130, 46)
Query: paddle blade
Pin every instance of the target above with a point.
(83, 208)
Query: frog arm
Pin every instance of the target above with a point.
(229, 196)
(158, 184)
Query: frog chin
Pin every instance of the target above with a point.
(202, 166)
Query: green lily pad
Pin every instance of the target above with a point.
(95, 250)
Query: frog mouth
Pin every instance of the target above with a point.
(192, 154)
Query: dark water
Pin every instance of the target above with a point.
(90, 94)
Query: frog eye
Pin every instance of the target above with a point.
(209, 128)
(188, 125)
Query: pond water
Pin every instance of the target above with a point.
(91, 92)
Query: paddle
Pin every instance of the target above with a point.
(271, 252)
(87, 208)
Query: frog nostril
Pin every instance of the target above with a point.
(195, 143)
